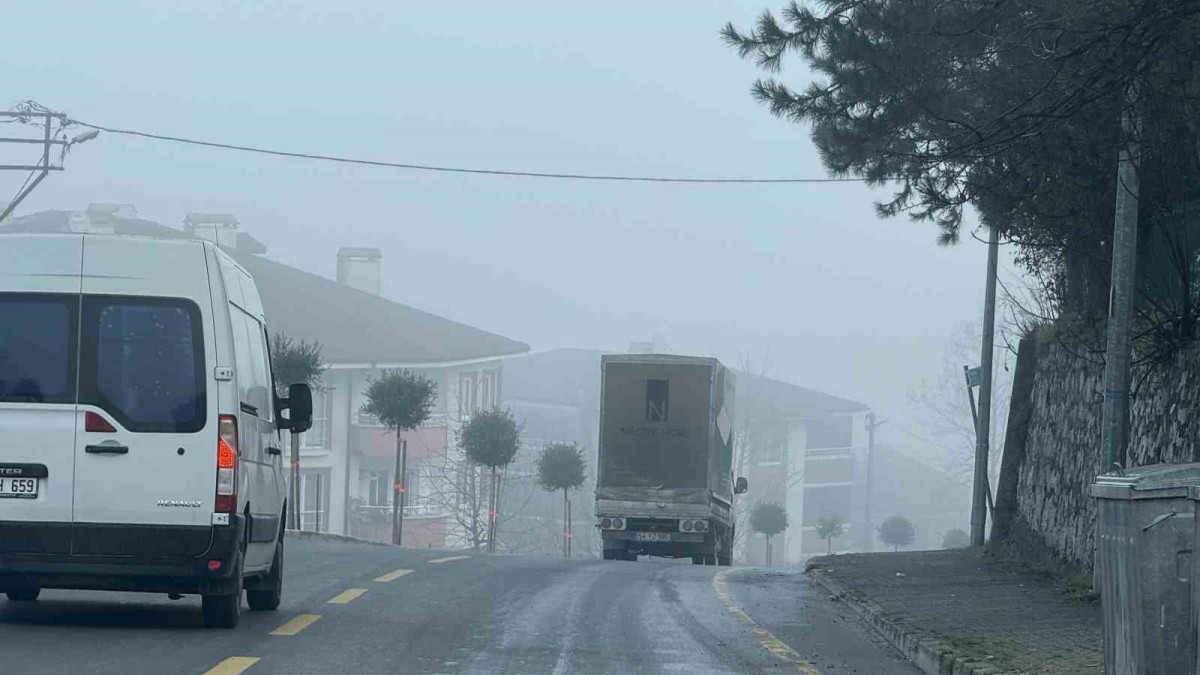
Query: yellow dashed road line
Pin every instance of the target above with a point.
(346, 596)
(392, 576)
(233, 665)
(450, 559)
(771, 643)
(296, 625)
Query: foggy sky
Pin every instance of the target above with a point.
(805, 276)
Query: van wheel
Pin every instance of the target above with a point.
(267, 597)
(24, 594)
(223, 611)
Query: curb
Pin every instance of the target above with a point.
(931, 655)
(329, 536)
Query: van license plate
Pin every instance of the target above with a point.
(653, 536)
(20, 488)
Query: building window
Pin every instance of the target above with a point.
(833, 431)
(379, 489)
(466, 393)
(316, 436)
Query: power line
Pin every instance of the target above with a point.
(450, 169)
(925, 440)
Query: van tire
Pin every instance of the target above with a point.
(23, 594)
(267, 597)
(223, 611)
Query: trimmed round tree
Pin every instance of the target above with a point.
(897, 531)
(491, 438)
(561, 466)
(768, 519)
(295, 363)
(401, 400)
(828, 527)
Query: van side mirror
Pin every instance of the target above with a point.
(741, 486)
(299, 407)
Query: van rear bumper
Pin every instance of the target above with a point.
(116, 572)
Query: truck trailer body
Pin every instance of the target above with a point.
(665, 484)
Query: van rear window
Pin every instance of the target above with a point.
(143, 362)
(37, 347)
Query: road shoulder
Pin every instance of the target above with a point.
(960, 612)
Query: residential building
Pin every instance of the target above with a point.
(347, 459)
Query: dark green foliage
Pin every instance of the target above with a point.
(768, 518)
(295, 362)
(400, 399)
(1011, 106)
(956, 539)
(897, 531)
(491, 438)
(561, 466)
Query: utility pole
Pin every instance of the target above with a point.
(975, 423)
(981, 487)
(1114, 425)
(50, 138)
(872, 425)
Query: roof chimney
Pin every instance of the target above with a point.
(360, 268)
(220, 228)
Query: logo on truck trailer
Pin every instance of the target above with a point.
(657, 400)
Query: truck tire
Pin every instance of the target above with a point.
(612, 554)
(725, 552)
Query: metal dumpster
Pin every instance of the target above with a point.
(1145, 532)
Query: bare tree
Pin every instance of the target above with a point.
(943, 404)
(758, 436)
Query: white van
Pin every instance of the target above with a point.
(140, 445)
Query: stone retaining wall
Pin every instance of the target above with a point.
(1062, 453)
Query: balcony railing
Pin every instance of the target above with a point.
(384, 512)
(368, 420)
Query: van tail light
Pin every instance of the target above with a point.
(227, 452)
(95, 423)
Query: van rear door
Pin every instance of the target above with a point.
(39, 313)
(146, 485)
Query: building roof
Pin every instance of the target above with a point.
(356, 327)
(777, 398)
(353, 326)
(558, 376)
(59, 221)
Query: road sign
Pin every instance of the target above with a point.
(974, 377)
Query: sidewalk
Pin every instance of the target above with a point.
(964, 612)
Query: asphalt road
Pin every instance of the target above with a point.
(350, 608)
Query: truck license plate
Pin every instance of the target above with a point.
(20, 488)
(653, 536)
